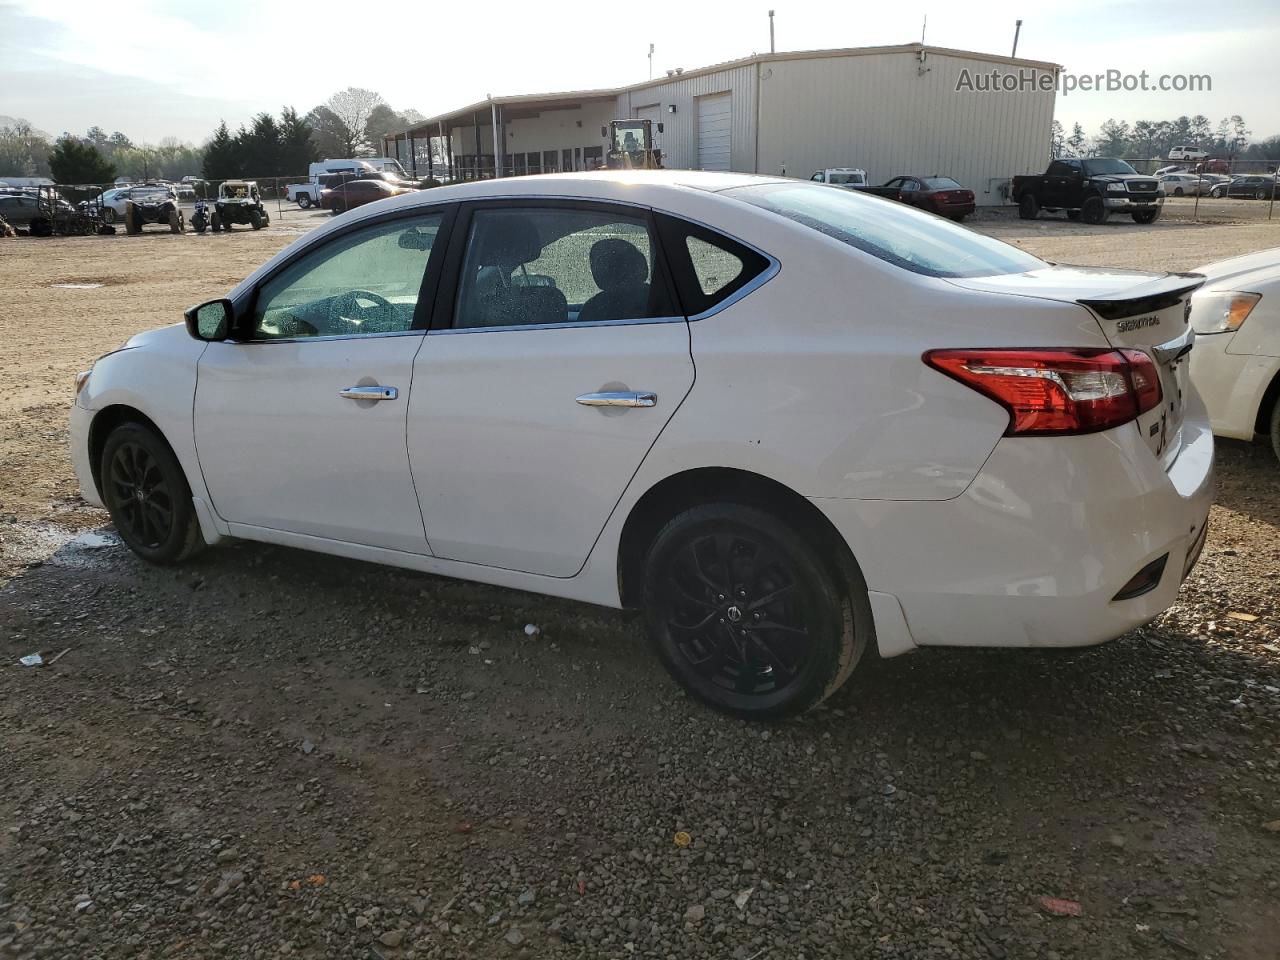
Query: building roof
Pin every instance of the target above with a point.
(563, 100)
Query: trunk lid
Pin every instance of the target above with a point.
(1134, 308)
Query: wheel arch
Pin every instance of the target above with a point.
(106, 420)
(694, 487)
(1270, 397)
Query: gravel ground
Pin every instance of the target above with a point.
(275, 754)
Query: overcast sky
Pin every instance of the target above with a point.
(156, 68)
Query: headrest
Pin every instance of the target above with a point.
(508, 242)
(616, 263)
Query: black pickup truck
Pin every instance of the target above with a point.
(1089, 189)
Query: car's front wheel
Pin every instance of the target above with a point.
(146, 493)
(108, 215)
(747, 615)
(1275, 428)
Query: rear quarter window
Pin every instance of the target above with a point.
(709, 267)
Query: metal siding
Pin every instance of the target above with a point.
(679, 139)
(891, 114)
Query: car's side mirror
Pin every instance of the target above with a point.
(210, 321)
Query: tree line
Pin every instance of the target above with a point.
(350, 123)
(1148, 139)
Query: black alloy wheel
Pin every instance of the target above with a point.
(146, 493)
(747, 616)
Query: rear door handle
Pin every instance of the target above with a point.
(619, 398)
(369, 393)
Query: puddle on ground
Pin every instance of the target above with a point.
(26, 545)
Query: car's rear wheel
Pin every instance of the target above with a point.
(108, 215)
(304, 201)
(1177, 191)
(175, 222)
(1094, 211)
(146, 492)
(1028, 207)
(1260, 195)
(255, 219)
(747, 615)
(1216, 193)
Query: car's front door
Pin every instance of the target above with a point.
(300, 421)
(548, 374)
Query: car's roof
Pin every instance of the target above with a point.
(601, 183)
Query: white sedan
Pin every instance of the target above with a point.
(791, 422)
(1236, 363)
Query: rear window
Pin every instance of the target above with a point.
(897, 234)
(941, 183)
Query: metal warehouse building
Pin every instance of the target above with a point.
(888, 110)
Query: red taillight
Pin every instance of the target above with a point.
(1057, 391)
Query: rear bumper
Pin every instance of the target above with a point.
(1034, 551)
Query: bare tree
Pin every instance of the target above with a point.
(352, 107)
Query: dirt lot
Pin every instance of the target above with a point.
(273, 754)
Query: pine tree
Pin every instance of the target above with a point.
(221, 157)
(297, 150)
(73, 162)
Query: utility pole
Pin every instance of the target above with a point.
(771, 49)
(923, 27)
(651, 61)
(1016, 30)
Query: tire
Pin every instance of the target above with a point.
(1275, 428)
(147, 495)
(1094, 211)
(304, 201)
(132, 221)
(255, 219)
(198, 223)
(1073, 215)
(1177, 191)
(959, 217)
(175, 222)
(1216, 193)
(700, 575)
(216, 222)
(1260, 195)
(40, 227)
(108, 215)
(1028, 207)
(1145, 216)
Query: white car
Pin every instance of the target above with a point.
(1236, 362)
(1187, 153)
(1181, 184)
(791, 423)
(112, 203)
(847, 177)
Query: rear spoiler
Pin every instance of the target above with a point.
(1145, 297)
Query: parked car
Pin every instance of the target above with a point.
(1236, 363)
(841, 177)
(356, 193)
(1187, 153)
(31, 212)
(1181, 184)
(1171, 168)
(1090, 189)
(858, 466)
(1249, 188)
(940, 195)
(110, 204)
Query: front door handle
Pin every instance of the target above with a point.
(619, 398)
(369, 393)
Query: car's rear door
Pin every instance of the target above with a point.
(300, 420)
(557, 354)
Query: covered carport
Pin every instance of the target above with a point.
(537, 133)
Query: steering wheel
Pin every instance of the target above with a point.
(362, 311)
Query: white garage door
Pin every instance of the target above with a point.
(713, 131)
